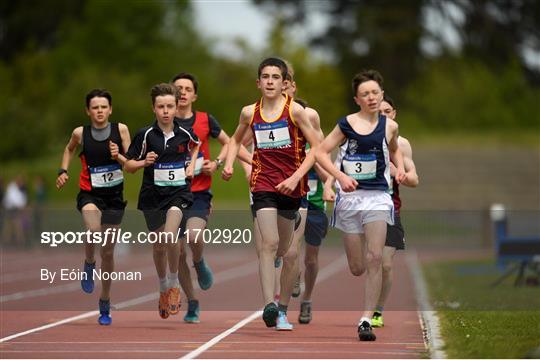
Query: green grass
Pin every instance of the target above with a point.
(480, 321)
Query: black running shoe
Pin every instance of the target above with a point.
(270, 314)
(305, 312)
(365, 332)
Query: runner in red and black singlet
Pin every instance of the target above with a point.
(194, 221)
(101, 183)
(277, 180)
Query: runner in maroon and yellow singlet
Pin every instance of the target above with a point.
(280, 129)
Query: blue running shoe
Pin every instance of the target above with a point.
(282, 324)
(88, 283)
(192, 314)
(204, 275)
(277, 262)
(104, 312)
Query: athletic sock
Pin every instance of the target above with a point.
(173, 280)
(283, 308)
(379, 309)
(163, 284)
(368, 320)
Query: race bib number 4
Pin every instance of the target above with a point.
(106, 176)
(169, 174)
(360, 166)
(272, 135)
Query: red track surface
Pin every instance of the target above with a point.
(138, 332)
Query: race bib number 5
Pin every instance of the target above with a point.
(360, 166)
(106, 176)
(272, 135)
(169, 174)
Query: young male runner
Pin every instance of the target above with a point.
(204, 125)
(363, 206)
(313, 226)
(395, 236)
(101, 182)
(280, 129)
(163, 150)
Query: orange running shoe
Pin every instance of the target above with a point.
(163, 306)
(174, 300)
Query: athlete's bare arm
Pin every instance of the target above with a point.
(334, 139)
(302, 121)
(69, 151)
(236, 140)
(411, 177)
(190, 170)
(392, 133)
(126, 141)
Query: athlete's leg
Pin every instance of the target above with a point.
(267, 218)
(355, 248)
(387, 275)
(184, 275)
(92, 221)
(375, 234)
(290, 270)
(311, 262)
(107, 262)
(195, 226)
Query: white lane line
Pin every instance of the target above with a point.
(221, 277)
(430, 320)
(48, 326)
(329, 270)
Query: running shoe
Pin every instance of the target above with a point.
(163, 305)
(282, 323)
(277, 262)
(377, 320)
(305, 312)
(204, 275)
(297, 288)
(270, 314)
(192, 314)
(365, 332)
(87, 283)
(174, 300)
(104, 312)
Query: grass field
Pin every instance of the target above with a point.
(480, 321)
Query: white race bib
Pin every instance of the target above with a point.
(198, 163)
(106, 176)
(169, 174)
(272, 135)
(312, 183)
(360, 166)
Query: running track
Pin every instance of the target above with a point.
(41, 320)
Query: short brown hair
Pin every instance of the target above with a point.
(366, 75)
(162, 90)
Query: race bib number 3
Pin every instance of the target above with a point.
(272, 135)
(360, 166)
(106, 176)
(169, 174)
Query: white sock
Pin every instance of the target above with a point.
(364, 319)
(173, 280)
(163, 284)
